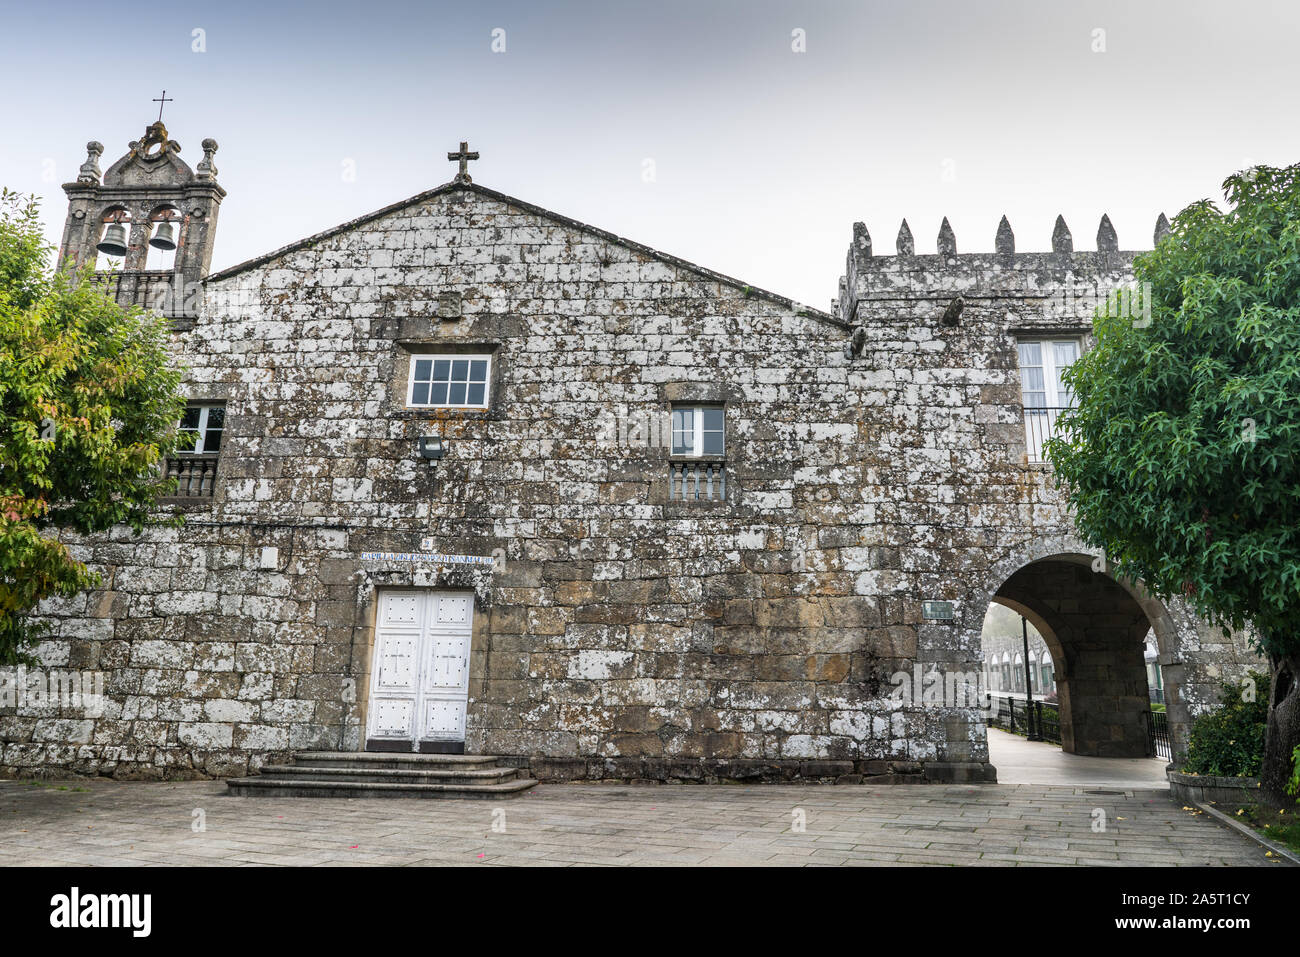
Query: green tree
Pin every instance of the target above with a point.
(89, 403)
(1180, 460)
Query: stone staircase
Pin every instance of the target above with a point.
(370, 774)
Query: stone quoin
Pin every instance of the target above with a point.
(703, 521)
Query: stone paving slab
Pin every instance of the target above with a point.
(152, 824)
(1021, 761)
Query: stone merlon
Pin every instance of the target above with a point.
(1001, 274)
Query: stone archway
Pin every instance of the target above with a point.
(1096, 632)
(1095, 627)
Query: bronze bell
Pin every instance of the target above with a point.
(114, 241)
(162, 237)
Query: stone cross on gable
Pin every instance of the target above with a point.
(464, 156)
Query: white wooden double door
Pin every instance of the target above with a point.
(419, 684)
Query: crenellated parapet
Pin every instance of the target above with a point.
(1074, 278)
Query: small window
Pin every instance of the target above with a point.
(450, 382)
(201, 429)
(1041, 365)
(1043, 394)
(699, 430)
(198, 444)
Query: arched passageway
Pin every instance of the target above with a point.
(1095, 628)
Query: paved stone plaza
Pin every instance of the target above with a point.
(1039, 762)
(101, 822)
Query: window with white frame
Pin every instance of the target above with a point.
(201, 429)
(198, 444)
(699, 432)
(449, 381)
(1042, 392)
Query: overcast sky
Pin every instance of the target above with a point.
(762, 157)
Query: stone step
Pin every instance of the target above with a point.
(276, 786)
(390, 759)
(383, 774)
(475, 774)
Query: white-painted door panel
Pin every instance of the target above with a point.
(420, 676)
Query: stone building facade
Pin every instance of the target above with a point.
(1002, 641)
(689, 531)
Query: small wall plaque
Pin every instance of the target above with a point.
(449, 305)
(433, 557)
(937, 610)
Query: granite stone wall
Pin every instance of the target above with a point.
(966, 507)
(875, 459)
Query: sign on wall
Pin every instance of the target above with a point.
(937, 610)
(434, 557)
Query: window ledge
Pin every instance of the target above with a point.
(676, 505)
(189, 502)
(445, 408)
(440, 411)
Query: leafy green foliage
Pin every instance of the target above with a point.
(1181, 458)
(1293, 785)
(1276, 824)
(88, 408)
(1230, 740)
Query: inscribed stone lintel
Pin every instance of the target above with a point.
(427, 557)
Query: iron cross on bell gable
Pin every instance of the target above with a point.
(464, 156)
(163, 101)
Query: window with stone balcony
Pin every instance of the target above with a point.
(1043, 394)
(194, 466)
(698, 461)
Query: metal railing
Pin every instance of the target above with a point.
(697, 481)
(1012, 715)
(196, 475)
(1158, 744)
(1040, 425)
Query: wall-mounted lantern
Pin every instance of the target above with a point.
(431, 448)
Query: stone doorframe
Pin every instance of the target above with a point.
(408, 575)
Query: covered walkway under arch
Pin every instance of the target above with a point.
(1020, 761)
(1095, 627)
